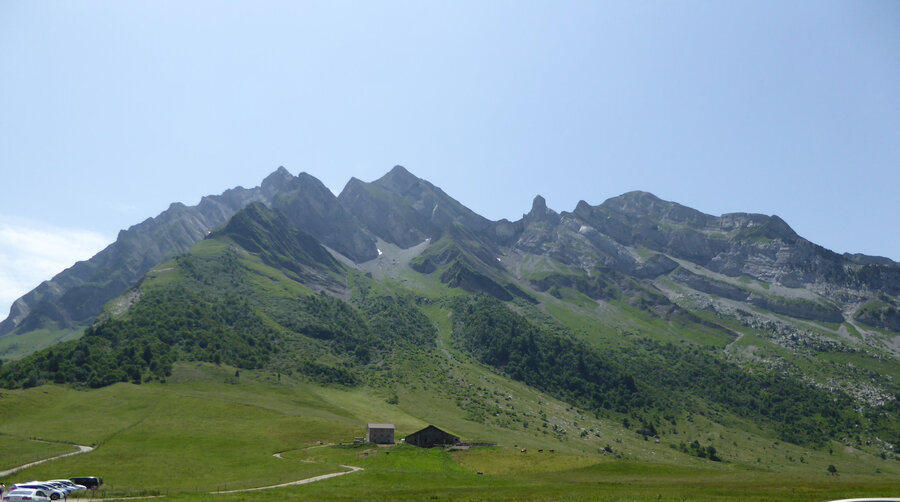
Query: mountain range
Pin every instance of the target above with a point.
(633, 305)
(634, 235)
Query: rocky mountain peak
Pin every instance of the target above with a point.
(538, 205)
(781, 229)
(405, 210)
(309, 183)
(312, 207)
(540, 211)
(279, 179)
(583, 209)
(398, 180)
(638, 204)
(635, 202)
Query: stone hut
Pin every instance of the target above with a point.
(380, 433)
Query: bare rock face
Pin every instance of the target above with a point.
(754, 245)
(312, 207)
(405, 210)
(384, 214)
(75, 296)
(271, 235)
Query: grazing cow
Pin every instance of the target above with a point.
(524, 450)
(540, 451)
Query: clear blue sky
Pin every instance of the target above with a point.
(111, 110)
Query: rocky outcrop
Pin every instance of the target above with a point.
(405, 210)
(460, 275)
(794, 307)
(75, 296)
(278, 242)
(312, 207)
(763, 247)
(880, 313)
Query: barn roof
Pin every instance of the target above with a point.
(380, 426)
(432, 427)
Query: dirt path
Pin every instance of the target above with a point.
(736, 340)
(86, 449)
(81, 449)
(295, 483)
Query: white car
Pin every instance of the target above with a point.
(26, 494)
(48, 491)
(55, 485)
(68, 485)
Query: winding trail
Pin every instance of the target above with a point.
(81, 449)
(736, 340)
(86, 449)
(295, 483)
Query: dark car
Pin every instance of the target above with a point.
(89, 482)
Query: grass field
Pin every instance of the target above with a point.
(14, 346)
(205, 431)
(18, 450)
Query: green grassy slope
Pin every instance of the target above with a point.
(15, 345)
(205, 431)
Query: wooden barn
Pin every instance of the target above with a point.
(431, 436)
(380, 433)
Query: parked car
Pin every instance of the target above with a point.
(65, 488)
(87, 481)
(49, 491)
(26, 495)
(72, 487)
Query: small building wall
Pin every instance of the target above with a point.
(431, 436)
(380, 433)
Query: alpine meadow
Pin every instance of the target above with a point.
(633, 350)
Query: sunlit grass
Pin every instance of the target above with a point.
(205, 431)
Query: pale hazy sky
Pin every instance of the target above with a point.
(111, 110)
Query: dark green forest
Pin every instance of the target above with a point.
(213, 315)
(649, 376)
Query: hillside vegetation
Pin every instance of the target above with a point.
(205, 430)
(646, 356)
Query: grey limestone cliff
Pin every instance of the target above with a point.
(75, 296)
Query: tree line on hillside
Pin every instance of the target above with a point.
(166, 325)
(212, 315)
(649, 375)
